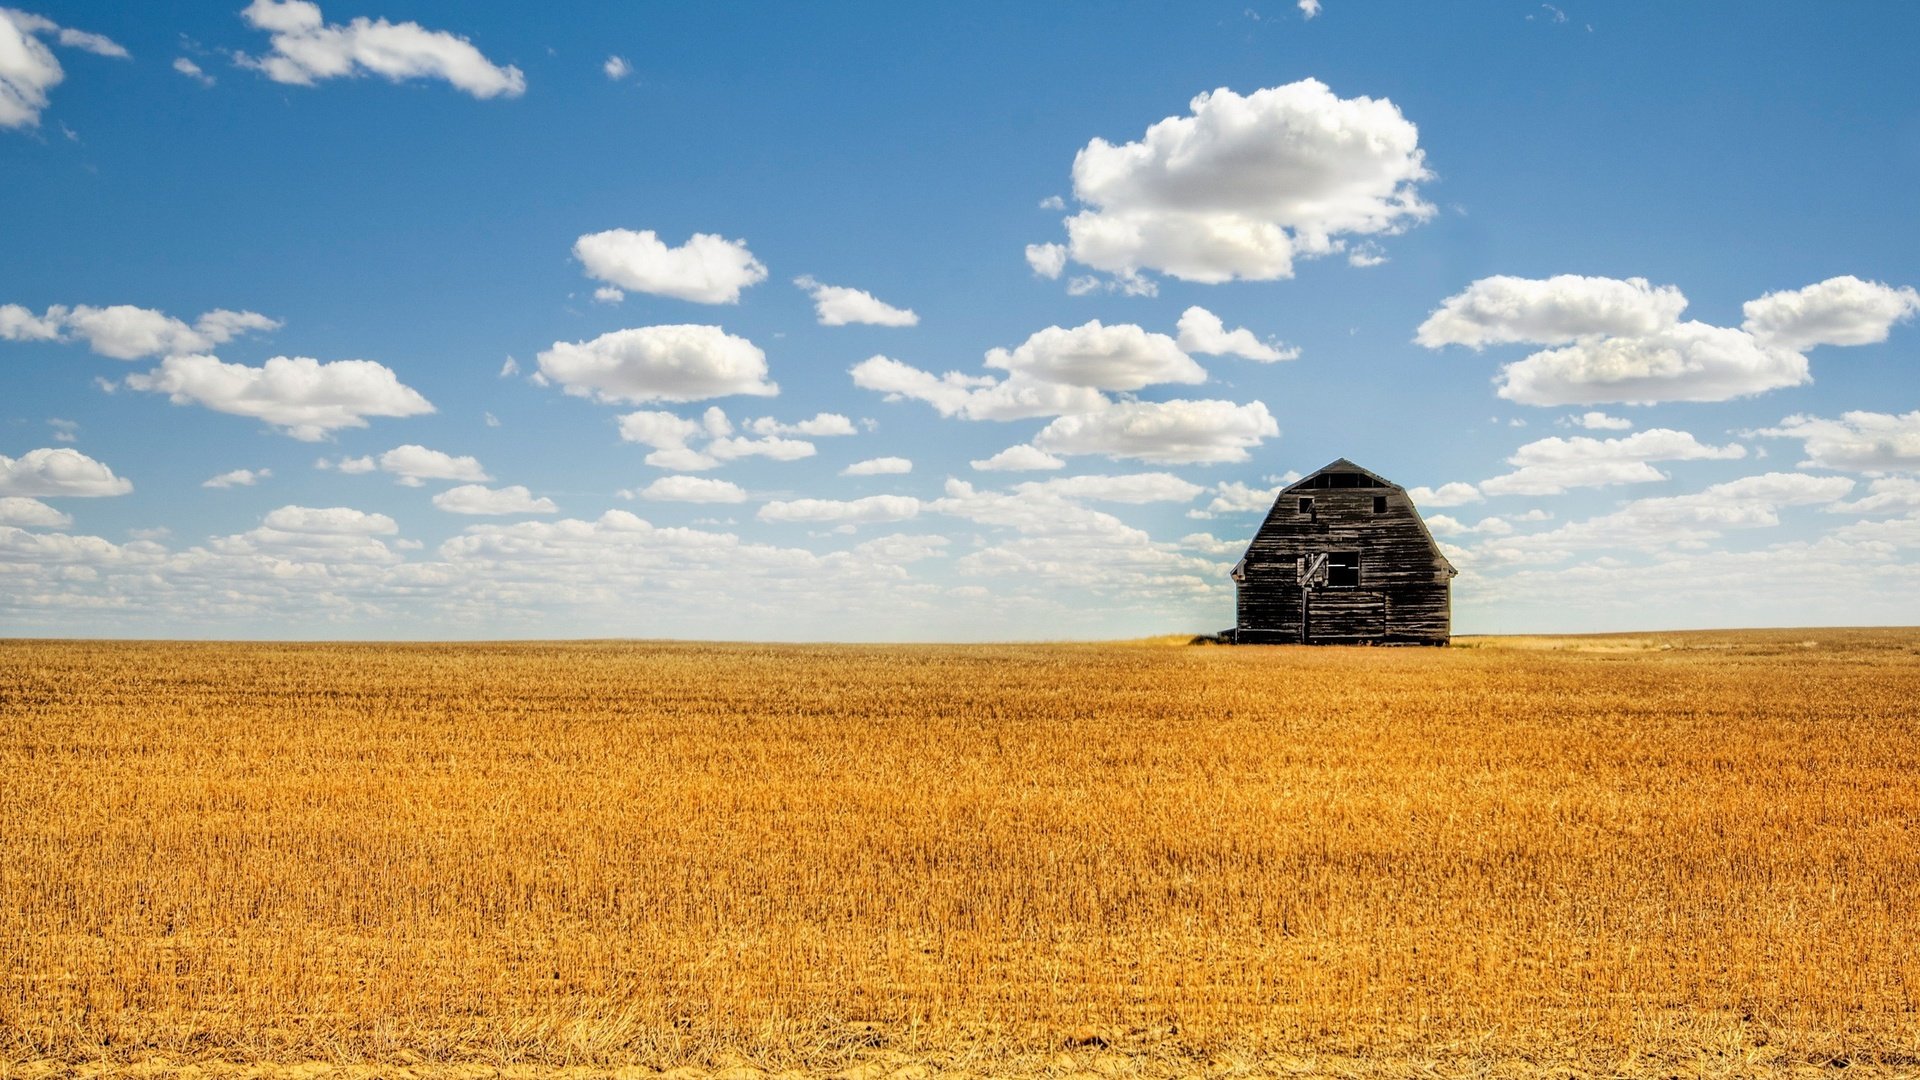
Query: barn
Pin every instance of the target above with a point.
(1343, 558)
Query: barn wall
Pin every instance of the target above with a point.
(1403, 593)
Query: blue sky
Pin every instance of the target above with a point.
(443, 299)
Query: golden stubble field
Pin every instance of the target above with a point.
(1661, 854)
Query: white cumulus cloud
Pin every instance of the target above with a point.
(1366, 253)
(61, 471)
(1599, 421)
(307, 49)
(873, 508)
(478, 499)
(1201, 331)
(298, 394)
(1234, 497)
(672, 438)
(838, 305)
(659, 363)
(32, 513)
(975, 397)
(1445, 525)
(1209, 544)
(28, 69)
(1691, 361)
(1063, 373)
(1047, 260)
(415, 465)
(707, 269)
(1501, 310)
(1022, 458)
(1118, 357)
(1838, 311)
(18, 323)
(125, 332)
(693, 489)
(237, 478)
(660, 430)
(1455, 493)
(1666, 522)
(329, 521)
(1135, 488)
(1176, 432)
(1860, 441)
(617, 68)
(880, 466)
(1554, 465)
(1622, 341)
(1060, 540)
(1243, 185)
(819, 425)
(1888, 494)
(730, 448)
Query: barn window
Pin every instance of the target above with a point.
(1343, 570)
(1340, 480)
(1306, 506)
(1379, 504)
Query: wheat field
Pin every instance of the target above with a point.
(1658, 854)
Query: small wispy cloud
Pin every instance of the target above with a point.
(192, 71)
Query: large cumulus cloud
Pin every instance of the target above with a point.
(1243, 185)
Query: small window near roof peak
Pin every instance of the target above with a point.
(1306, 506)
(1379, 504)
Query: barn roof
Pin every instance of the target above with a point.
(1342, 465)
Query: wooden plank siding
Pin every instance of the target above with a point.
(1403, 592)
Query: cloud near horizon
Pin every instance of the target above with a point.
(1623, 341)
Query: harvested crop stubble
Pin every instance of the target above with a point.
(1585, 852)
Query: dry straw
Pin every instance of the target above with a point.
(1611, 850)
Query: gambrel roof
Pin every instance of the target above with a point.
(1341, 467)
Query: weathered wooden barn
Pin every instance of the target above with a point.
(1343, 557)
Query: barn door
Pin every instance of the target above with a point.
(1346, 615)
